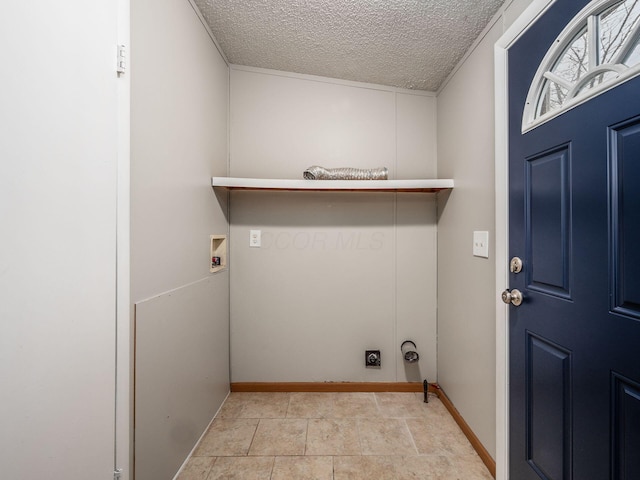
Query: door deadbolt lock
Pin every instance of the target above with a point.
(515, 265)
(513, 297)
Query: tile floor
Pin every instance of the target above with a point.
(333, 436)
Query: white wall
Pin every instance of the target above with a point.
(179, 108)
(466, 284)
(182, 373)
(58, 193)
(337, 273)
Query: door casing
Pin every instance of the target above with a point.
(528, 17)
(124, 345)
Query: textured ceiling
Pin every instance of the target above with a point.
(402, 43)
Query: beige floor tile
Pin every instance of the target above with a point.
(438, 416)
(424, 467)
(432, 440)
(260, 436)
(400, 405)
(403, 398)
(355, 405)
(310, 405)
(232, 406)
(197, 468)
(334, 436)
(471, 467)
(227, 437)
(302, 468)
(279, 437)
(363, 468)
(437, 404)
(242, 468)
(385, 436)
(255, 405)
(441, 423)
(420, 397)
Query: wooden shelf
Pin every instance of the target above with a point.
(417, 185)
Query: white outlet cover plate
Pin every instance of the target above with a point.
(481, 244)
(255, 238)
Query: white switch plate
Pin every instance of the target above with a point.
(481, 244)
(255, 238)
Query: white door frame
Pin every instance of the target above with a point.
(521, 25)
(123, 400)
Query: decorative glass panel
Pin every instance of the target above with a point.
(574, 61)
(597, 80)
(597, 50)
(616, 26)
(634, 55)
(552, 97)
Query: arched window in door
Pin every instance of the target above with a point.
(599, 49)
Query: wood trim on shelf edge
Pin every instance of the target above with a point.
(482, 452)
(374, 387)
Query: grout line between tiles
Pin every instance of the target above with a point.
(375, 400)
(255, 432)
(286, 412)
(273, 466)
(333, 467)
(413, 441)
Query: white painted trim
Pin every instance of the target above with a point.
(528, 17)
(335, 81)
(330, 185)
(501, 252)
(123, 401)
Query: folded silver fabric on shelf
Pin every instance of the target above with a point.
(320, 173)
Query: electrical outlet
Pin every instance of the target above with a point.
(255, 238)
(372, 358)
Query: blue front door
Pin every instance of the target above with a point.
(574, 203)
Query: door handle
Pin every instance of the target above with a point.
(513, 297)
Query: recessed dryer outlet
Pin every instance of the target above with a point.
(218, 253)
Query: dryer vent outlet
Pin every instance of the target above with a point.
(372, 358)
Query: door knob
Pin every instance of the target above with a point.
(514, 297)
